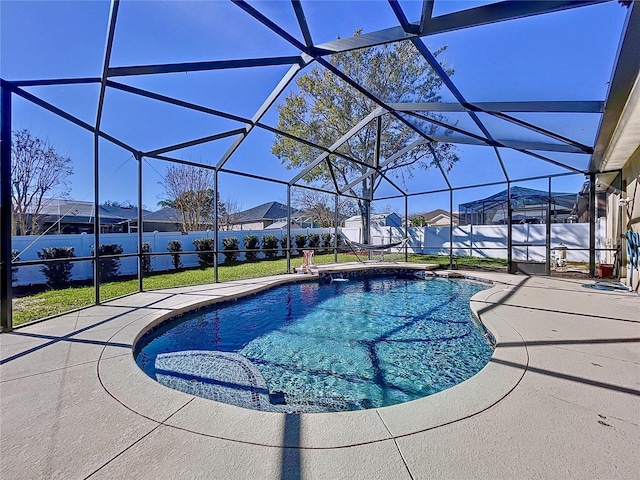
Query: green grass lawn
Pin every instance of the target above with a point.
(52, 302)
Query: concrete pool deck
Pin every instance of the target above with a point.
(559, 399)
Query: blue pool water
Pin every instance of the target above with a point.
(312, 347)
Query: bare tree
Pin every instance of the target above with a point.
(228, 211)
(37, 172)
(190, 191)
(320, 207)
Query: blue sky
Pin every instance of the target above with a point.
(564, 56)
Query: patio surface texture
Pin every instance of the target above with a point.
(559, 399)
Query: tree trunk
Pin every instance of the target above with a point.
(365, 210)
(365, 213)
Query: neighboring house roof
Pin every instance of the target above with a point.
(266, 211)
(55, 206)
(122, 212)
(434, 215)
(429, 215)
(281, 224)
(164, 215)
(79, 211)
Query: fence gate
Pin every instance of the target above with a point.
(531, 213)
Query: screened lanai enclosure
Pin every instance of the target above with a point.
(363, 108)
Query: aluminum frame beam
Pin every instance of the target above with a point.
(250, 123)
(384, 163)
(549, 160)
(543, 131)
(6, 324)
(480, 185)
(271, 25)
(202, 66)
(174, 101)
(55, 81)
(543, 106)
(425, 15)
(305, 142)
(266, 105)
(578, 147)
(512, 144)
(197, 141)
(437, 160)
(179, 161)
(373, 171)
(490, 141)
(67, 116)
(382, 104)
(473, 17)
(139, 158)
(500, 12)
(302, 22)
(235, 172)
(407, 107)
(474, 139)
(338, 143)
(446, 79)
(453, 128)
(111, 29)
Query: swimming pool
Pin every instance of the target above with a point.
(310, 347)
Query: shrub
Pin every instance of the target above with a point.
(205, 259)
(270, 246)
(109, 267)
(230, 249)
(252, 246)
(145, 260)
(314, 240)
(326, 241)
(339, 242)
(175, 247)
(301, 241)
(283, 243)
(14, 270)
(57, 273)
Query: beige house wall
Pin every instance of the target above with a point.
(252, 226)
(441, 221)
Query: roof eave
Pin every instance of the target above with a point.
(618, 129)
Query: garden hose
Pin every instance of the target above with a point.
(633, 247)
(633, 252)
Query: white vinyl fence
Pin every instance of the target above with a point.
(488, 240)
(469, 240)
(29, 246)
